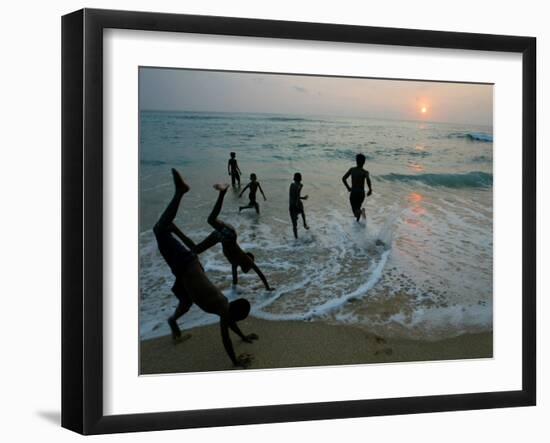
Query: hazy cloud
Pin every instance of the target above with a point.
(218, 91)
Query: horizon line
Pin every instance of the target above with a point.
(317, 115)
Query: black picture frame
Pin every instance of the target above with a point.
(82, 220)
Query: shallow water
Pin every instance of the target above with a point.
(420, 266)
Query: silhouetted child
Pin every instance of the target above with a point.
(233, 170)
(295, 205)
(357, 189)
(192, 284)
(254, 185)
(226, 235)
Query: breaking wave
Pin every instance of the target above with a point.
(475, 179)
(473, 136)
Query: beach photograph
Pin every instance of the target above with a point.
(291, 221)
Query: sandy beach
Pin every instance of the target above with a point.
(285, 344)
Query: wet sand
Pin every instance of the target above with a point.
(284, 344)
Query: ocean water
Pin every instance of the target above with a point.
(420, 266)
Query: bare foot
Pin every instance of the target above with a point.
(221, 187)
(250, 338)
(363, 213)
(181, 339)
(306, 227)
(179, 183)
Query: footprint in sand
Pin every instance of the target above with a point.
(245, 360)
(385, 351)
(379, 340)
(379, 345)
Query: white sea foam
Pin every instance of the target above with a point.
(447, 321)
(331, 304)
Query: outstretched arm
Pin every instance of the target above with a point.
(229, 167)
(345, 180)
(262, 277)
(369, 184)
(247, 338)
(185, 240)
(207, 243)
(262, 191)
(244, 189)
(227, 344)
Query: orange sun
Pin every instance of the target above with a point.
(423, 110)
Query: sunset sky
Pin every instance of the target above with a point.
(216, 91)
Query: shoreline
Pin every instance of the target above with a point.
(295, 344)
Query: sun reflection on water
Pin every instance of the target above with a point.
(416, 167)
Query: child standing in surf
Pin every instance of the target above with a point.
(295, 205)
(357, 190)
(254, 185)
(233, 170)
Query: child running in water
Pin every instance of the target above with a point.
(357, 189)
(234, 170)
(295, 205)
(192, 284)
(254, 185)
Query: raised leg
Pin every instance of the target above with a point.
(304, 220)
(213, 217)
(167, 217)
(356, 200)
